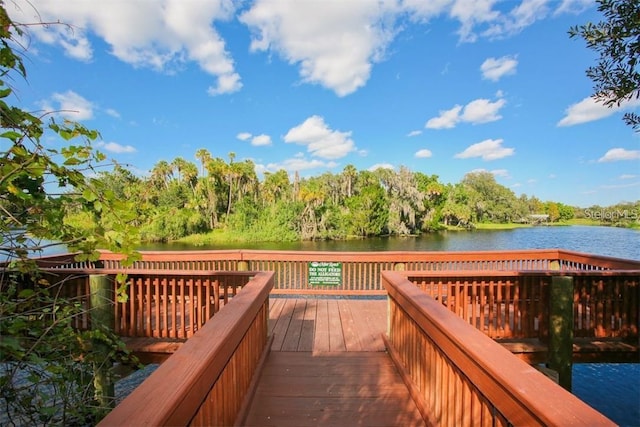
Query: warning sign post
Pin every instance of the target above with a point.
(325, 273)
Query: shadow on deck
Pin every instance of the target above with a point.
(327, 366)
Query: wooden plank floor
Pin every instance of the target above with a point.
(326, 324)
(331, 389)
(328, 366)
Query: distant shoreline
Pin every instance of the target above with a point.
(225, 237)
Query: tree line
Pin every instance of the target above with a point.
(181, 198)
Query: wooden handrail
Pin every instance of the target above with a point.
(582, 261)
(514, 304)
(205, 381)
(519, 259)
(361, 270)
(160, 303)
(464, 377)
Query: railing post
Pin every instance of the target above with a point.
(560, 357)
(102, 317)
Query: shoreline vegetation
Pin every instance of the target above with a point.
(225, 201)
(226, 237)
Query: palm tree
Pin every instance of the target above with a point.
(190, 174)
(247, 180)
(275, 186)
(349, 174)
(178, 164)
(230, 175)
(160, 174)
(204, 156)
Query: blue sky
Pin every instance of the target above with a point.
(442, 87)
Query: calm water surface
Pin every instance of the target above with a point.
(609, 241)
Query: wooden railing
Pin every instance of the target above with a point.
(458, 376)
(360, 270)
(160, 303)
(174, 304)
(500, 294)
(606, 304)
(207, 380)
(514, 304)
(170, 298)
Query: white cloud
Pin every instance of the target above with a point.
(618, 154)
(628, 176)
(470, 13)
(161, 34)
(381, 166)
(585, 111)
(69, 105)
(573, 6)
(321, 141)
(423, 154)
(446, 120)
(334, 44)
(618, 186)
(503, 173)
(482, 111)
(424, 10)
(589, 110)
(414, 133)
(475, 112)
(244, 136)
(112, 113)
(261, 140)
(521, 16)
(495, 68)
(478, 18)
(489, 149)
(114, 147)
(298, 164)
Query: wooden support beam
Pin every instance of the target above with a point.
(102, 318)
(561, 329)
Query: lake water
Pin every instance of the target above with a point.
(609, 241)
(613, 389)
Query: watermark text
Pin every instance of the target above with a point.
(612, 214)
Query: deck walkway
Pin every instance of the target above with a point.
(328, 366)
(327, 324)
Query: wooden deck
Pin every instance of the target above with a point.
(327, 324)
(347, 388)
(328, 366)
(333, 324)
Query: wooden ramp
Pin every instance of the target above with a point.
(332, 389)
(328, 367)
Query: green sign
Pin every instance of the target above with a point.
(325, 273)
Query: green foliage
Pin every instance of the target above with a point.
(277, 223)
(47, 199)
(367, 212)
(46, 369)
(616, 77)
(228, 198)
(489, 201)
